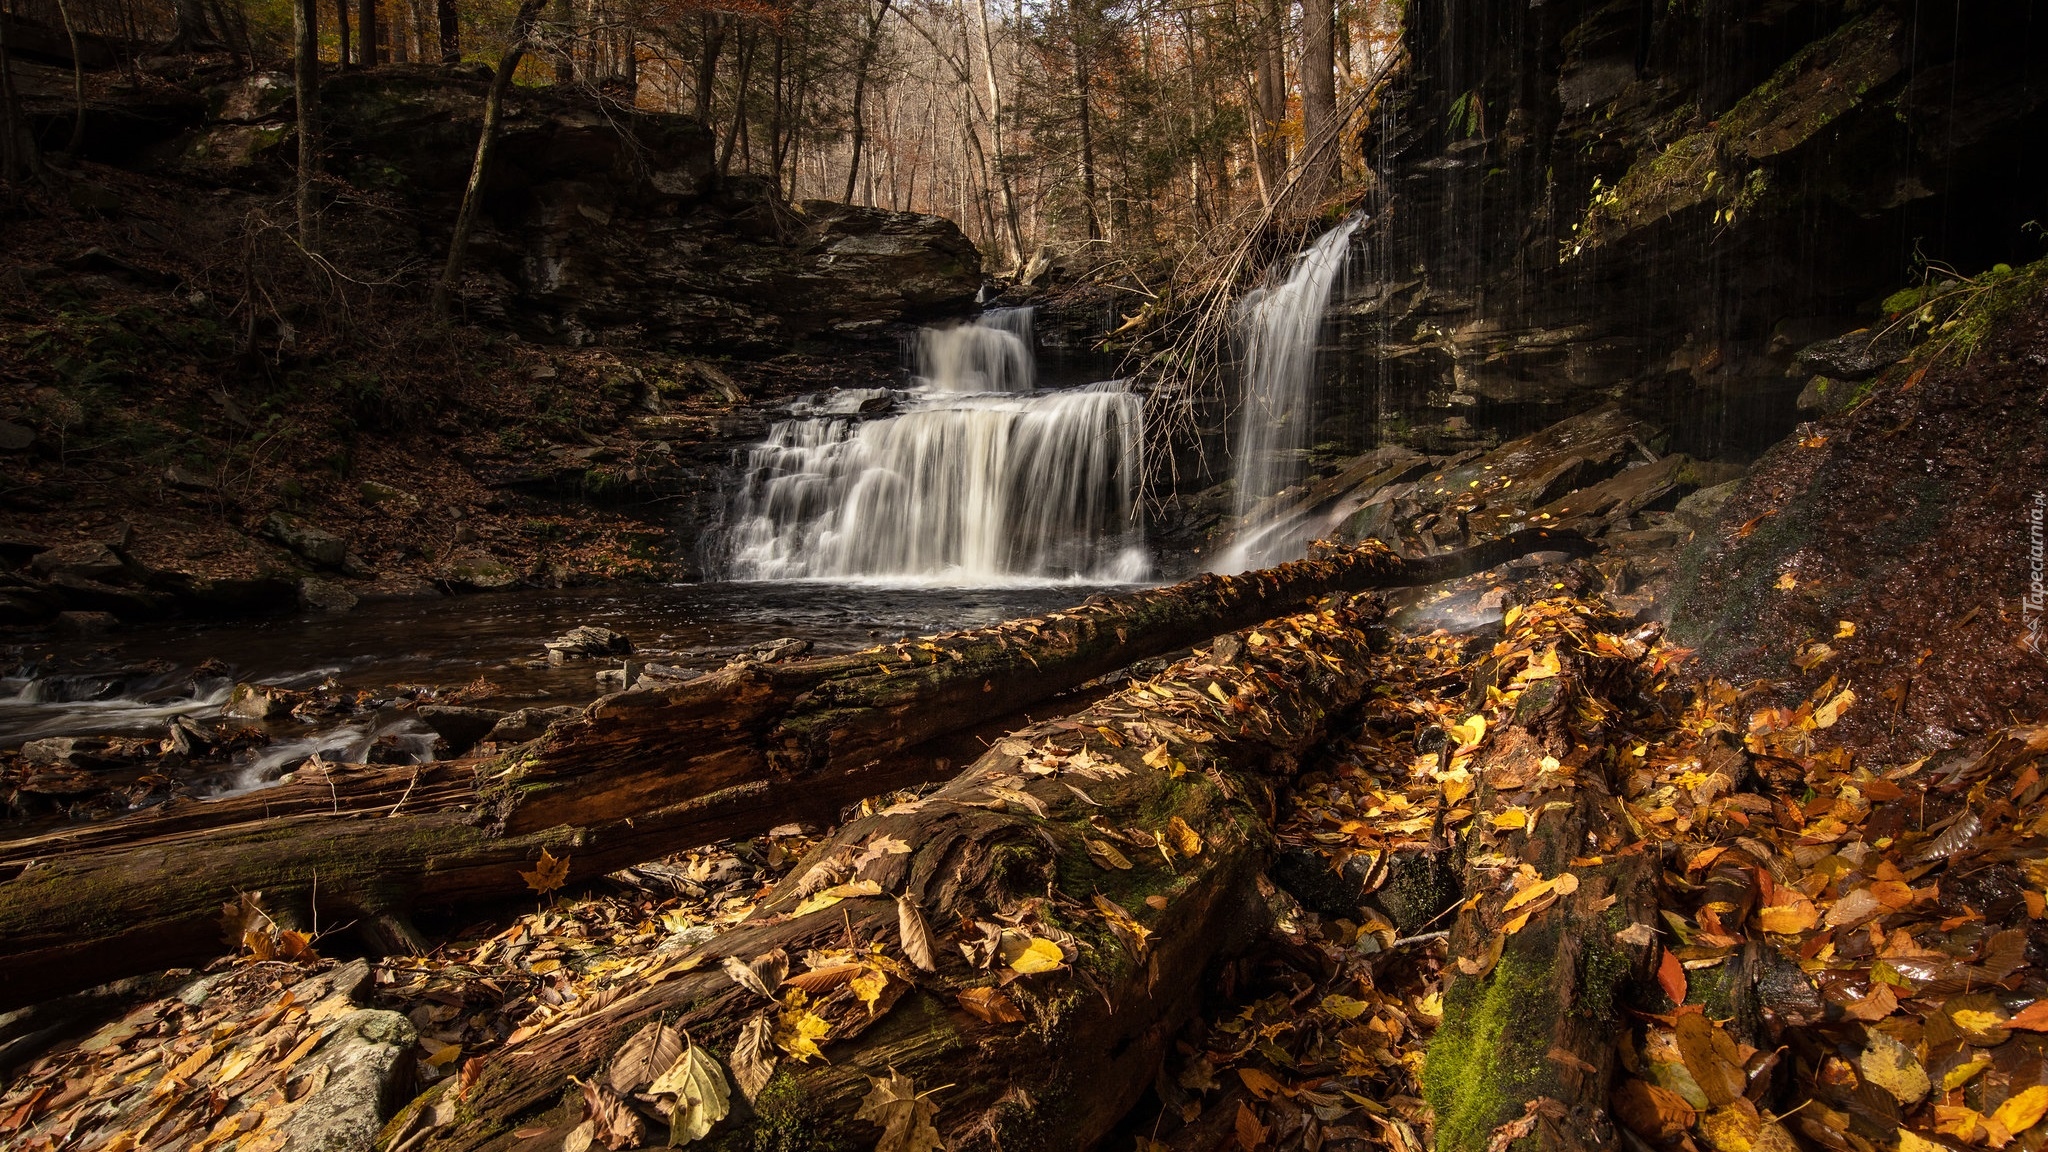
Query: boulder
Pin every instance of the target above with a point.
(462, 726)
(474, 570)
(320, 595)
(527, 724)
(588, 640)
(89, 561)
(86, 623)
(363, 1072)
(312, 544)
(1857, 355)
(1703, 508)
(15, 437)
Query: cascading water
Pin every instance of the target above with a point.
(976, 480)
(1279, 326)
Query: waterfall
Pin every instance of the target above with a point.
(1279, 325)
(975, 478)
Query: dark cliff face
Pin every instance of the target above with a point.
(1662, 202)
(602, 224)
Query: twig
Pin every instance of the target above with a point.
(408, 792)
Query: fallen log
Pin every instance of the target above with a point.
(1566, 909)
(1016, 950)
(638, 775)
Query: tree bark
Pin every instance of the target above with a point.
(77, 140)
(1318, 93)
(19, 153)
(193, 35)
(367, 32)
(450, 21)
(860, 83)
(341, 23)
(1535, 1021)
(472, 193)
(1087, 118)
(306, 81)
(638, 775)
(713, 24)
(1188, 758)
(995, 121)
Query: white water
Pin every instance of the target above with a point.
(1279, 326)
(975, 480)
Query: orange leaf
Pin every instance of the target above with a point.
(1671, 976)
(548, 875)
(2032, 1018)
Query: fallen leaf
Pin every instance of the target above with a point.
(547, 875)
(990, 1006)
(915, 934)
(762, 975)
(904, 1117)
(1186, 839)
(1671, 976)
(836, 893)
(1260, 1084)
(702, 1097)
(1892, 1066)
(799, 1029)
(1105, 854)
(1250, 1133)
(1656, 1114)
(1711, 1056)
(614, 1124)
(1032, 956)
(1789, 919)
(753, 1056)
(644, 1057)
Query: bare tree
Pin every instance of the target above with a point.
(494, 109)
(306, 84)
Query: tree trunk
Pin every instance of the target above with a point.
(77, 140)
(367, 32)
(341, 24)
(565, 56)
(472, 193)
(1529, 1016)
(1269, 61)
(1087, 119)
(1185, 762)
(1318, 93)
(450, 20)
(995, 120)
(713, 25)
(306, 81)
(860, 83)
(638, 775)
(193, 35)
(19, 154)
(739, 104)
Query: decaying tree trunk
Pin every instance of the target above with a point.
(639, 775)
(1072, 885)
(1529, 1019)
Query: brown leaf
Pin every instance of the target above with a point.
(915, 934)
(1250, 1133)
(990, 1005)
(613, 1123)
(762, 975)
(1656, 1114)
(1710, 1055)
(548, 875)
(819, 981)
(904, 1117)
(640, 1059)
(753, 1056)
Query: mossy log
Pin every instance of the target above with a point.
(1187, 761)
(1530, 1015)
(638, 775)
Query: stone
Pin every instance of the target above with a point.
(1702, 509)
(461, 725)
(527, 724)
(1856, 355)
(325, 595)
(384, 496)
(181, 477)
(257, 702)
(312, 544)
(86, 623)
(90, 561)
(474, 570)
(588, 640)
(363, 1074)
(15, 437)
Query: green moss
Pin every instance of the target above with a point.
(1491, 1054)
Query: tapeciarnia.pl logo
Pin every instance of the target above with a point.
(2034, 605)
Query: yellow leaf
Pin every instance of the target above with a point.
(1892, 1066)
(1184, 838)
(1826, 715)
(1787, 919)
(1977, 1020)
(1468, 732)
(547, 875)
(835, 894)
(1512, 818)
(799, 1030)
(1105, 854)
(1962, 1074)
(869, 986)
(1542, 666)
(1844, 629)
(1787, 582)
(1260, 1084)
(2023, 1111)
(1344, 1007)
(1040, 955)
(1217, 691)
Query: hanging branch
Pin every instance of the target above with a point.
(472, 194)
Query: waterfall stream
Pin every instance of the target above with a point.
(1279, 326)
(974, 478)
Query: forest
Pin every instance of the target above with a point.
(787, 575)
